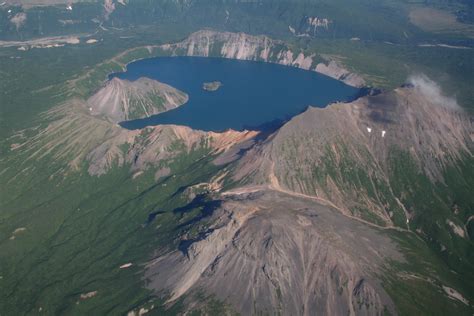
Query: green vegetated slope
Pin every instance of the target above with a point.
(442, 252)
(65, 233)
(436, 254)
(33, 81)
(388, 19)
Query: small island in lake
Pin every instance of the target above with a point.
(211, 86)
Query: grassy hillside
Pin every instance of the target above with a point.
(63, 234)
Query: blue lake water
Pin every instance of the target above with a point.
(254, 95)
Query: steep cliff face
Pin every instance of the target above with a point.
(273, 253)
(239, 46)
(121, 100)
(259, 48)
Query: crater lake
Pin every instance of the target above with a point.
(251, 95)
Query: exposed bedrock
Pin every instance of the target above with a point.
(259, 48)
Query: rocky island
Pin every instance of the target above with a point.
(212, 86)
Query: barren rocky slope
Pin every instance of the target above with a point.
(121, 100)
(269, 252)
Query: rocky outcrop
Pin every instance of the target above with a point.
(151, 146)
(334, 70)
(272, 253)
(259, 48)
(121, 100)
(310, 26)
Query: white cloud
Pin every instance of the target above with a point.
(431, 90)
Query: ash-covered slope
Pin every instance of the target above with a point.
(121, 100)
(269, 252)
